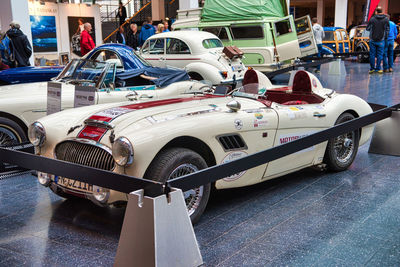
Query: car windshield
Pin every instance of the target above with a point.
(252, 90)
(212, 43)
(329, 36)
(84, 72)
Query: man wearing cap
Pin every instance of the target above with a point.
(21, 49)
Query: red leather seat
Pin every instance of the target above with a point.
(301, 83)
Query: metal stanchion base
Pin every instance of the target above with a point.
(337, 68)
(157, 232)
(386, 138)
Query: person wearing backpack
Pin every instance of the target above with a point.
(21, 49)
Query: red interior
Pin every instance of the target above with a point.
(301, 93)
(250, 77)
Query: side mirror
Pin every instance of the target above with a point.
(234, 106)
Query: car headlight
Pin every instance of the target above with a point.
(36, 134)
(122, 151)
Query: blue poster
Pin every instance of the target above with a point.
(44, 36)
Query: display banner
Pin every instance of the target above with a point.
(53, 97)
(369, 9)
(84, 96)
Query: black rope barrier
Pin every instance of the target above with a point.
(217, 172)
(103, 178)
(128, 184)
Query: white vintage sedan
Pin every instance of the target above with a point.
(199, 53)
(168, 138)
(22, 104)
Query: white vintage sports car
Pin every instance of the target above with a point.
(199, 53)
(22, 104)
(168, 138)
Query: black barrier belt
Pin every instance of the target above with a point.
(107, 179)
(318, 61)
(217, 172)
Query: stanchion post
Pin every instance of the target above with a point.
(385, 139)
(157, 232)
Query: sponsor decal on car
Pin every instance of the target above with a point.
(314, 82)
(232, 156)
(238, 124)
(283, 139)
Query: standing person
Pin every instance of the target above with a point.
(121, 14)
(389, 45)
(87, 43)
(166, 25)
(378, 27)
(319, 36)
(132, 37)
(146, 31)
(120, 35)
(21, 49)
(160, 28)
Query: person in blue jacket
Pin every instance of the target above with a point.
(389, 45)
(146, 31)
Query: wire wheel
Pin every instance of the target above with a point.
(8, 136)
(193, 196)
(344, 147)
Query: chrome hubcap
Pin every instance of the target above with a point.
(193, 196)
(344, 147)
(8, 137)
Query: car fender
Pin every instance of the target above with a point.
(349, 103)
(207, 71)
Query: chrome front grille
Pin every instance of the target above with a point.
(85, 153)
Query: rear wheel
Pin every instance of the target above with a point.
(341, 151)
(362, 58)
(176, 162)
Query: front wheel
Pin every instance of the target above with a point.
(176, 162)
(341, 151)
(11, 133)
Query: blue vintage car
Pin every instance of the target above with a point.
(28, 74)
(128, 64)
(336, 40)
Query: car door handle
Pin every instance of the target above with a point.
(132, 95)
(319, 115)
(145, 96)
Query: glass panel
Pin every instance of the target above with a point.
(212, 43)
(157, 46)
(282, 27)
(338, 36)
(329, 36)
(176, 46)
(218, 31)
(247, 32)
(302, 25)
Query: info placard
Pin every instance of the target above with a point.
(53, 97)
(84, 96)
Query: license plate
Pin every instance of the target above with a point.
(74, 184)
(237, 67)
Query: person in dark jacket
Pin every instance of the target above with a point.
(378, 26)
(21, 49)
(121, 36)
(121, 13)
(132, 37)
(146, 31)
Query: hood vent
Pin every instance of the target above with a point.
(232, 142)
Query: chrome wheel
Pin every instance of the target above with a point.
(8, 136)
(193, 196)
(344, 147)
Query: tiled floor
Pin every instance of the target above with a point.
(307, 218)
